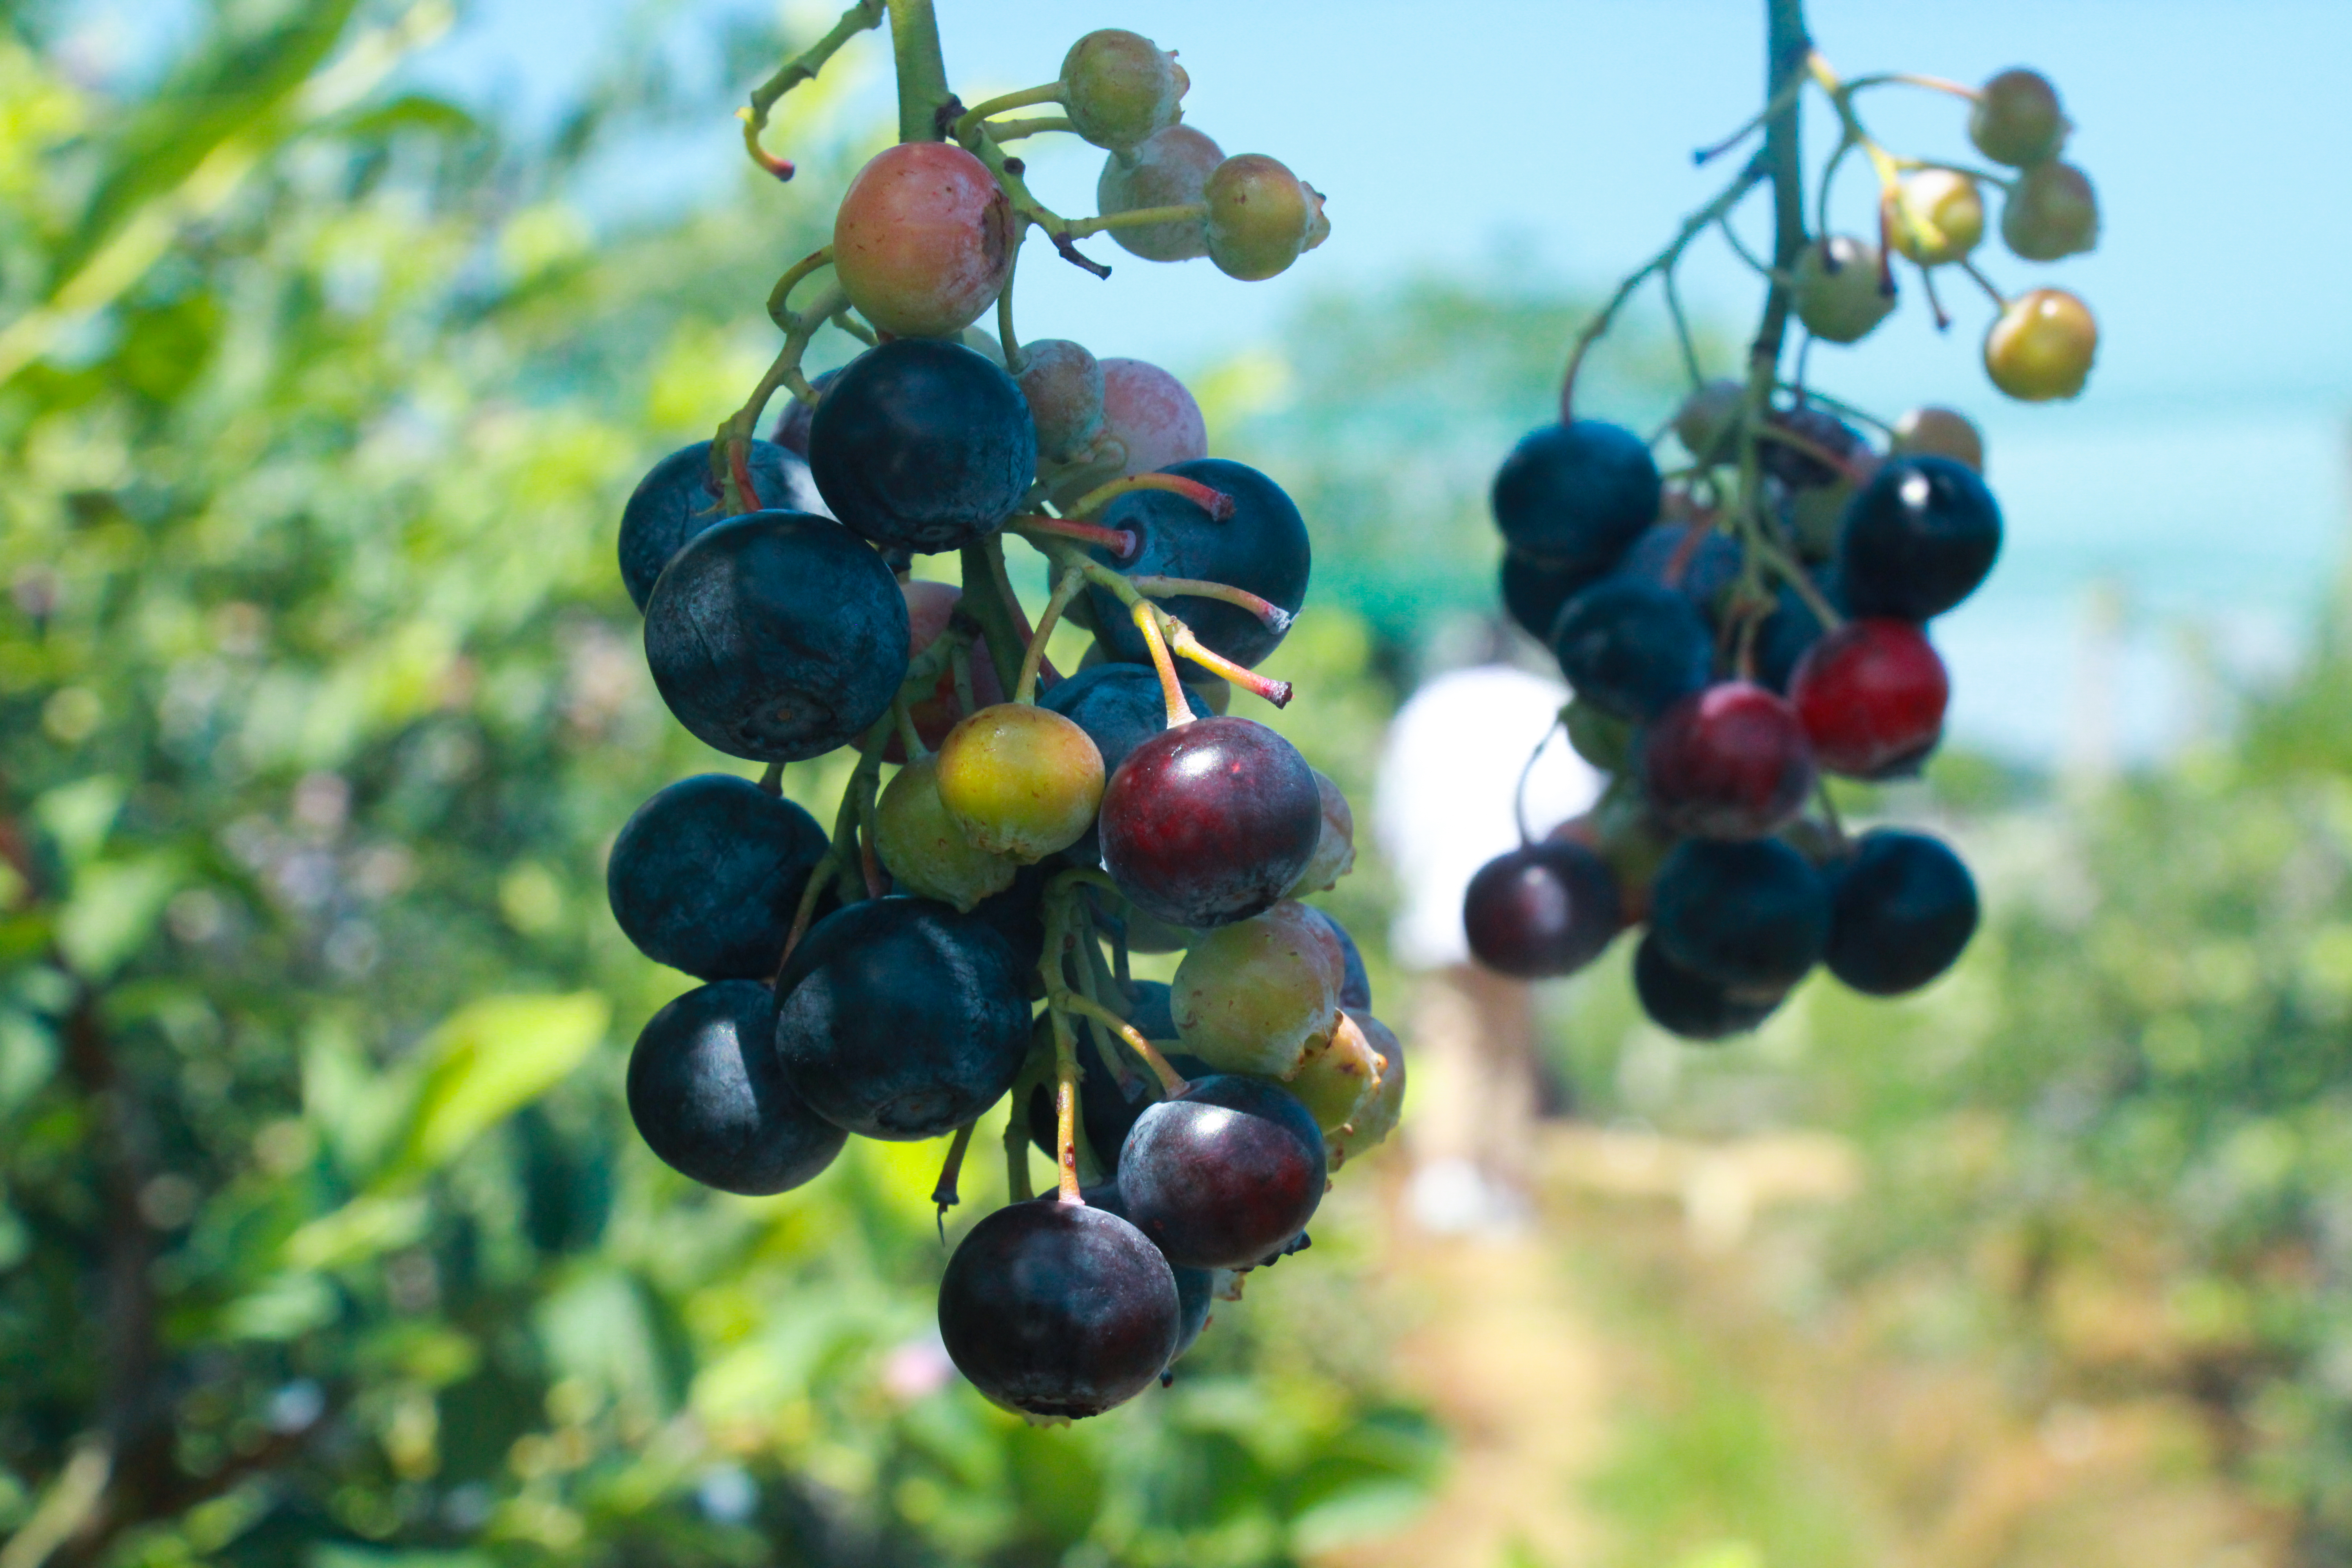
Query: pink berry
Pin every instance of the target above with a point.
(1153, 415)
(923, 241)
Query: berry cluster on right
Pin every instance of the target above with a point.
(1736, 627)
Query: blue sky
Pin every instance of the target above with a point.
(2203, 477)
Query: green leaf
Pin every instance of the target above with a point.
(485, 1062)
(113, 911)
(229, 87)
(411, 112)
(78, 817)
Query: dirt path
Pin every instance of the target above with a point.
(1520, 1380)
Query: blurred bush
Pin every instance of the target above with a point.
(325, 1240)
(2109, 1155)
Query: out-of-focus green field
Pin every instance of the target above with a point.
(323, 1238)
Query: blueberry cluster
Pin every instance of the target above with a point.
(1717, 703)
(1008, 837)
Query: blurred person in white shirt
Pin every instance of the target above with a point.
(1447, 803)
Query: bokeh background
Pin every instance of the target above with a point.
(332, 335)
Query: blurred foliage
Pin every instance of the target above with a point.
(2109, 1155)
(325, 1240)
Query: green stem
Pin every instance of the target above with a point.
(1028, 96)
(922, 72)
(983, 593)
(804, 67)
(1066, 588)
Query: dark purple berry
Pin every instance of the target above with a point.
(1224, 1174)
(1261, 547)
(1060, 1309)
(707, 876)
(777, 637)
(710, 1097)
(923, 444)
(898, 1018)
(1632, 647)
(1918, 538)
(1542, 910)
(677, 499)
(1577, 495)
(1683, 1002)
(1902, 908)
(1752, 915)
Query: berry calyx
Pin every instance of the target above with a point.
(1020, 781)
(1169, 168)
(2042, 346)
(1940, 433)
(1337, 1079)
(921, 844)
(1918, 538)
(1577, 495)
(1542, 910)
(1727, 762)
(1751, 915)
(1211, 822)
(1377, 1118)
(2016, 119)
(923, 446)
(1058, 1310)
(2052, 211)
(1118, 87)
(923, 241)
(1939, 217)
(1902, 909)
(1259, 215)
(1256, 995)
(1871, 696)
(1842, 288)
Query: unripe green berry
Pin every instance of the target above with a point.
(1602, 739)
(1842, 288)
(1170, 168)
(1337, 1079)
(923, 848)
(1120, 86)
(1377, 1117)
(2051, 212)
(1939, 217)
(1259, 215)
(1020, 780)
(1710, 418)
(1256, 995)
(1335, 851)
(1064, 384)
(2042, 346)
(1940, 433)
(2016, 119)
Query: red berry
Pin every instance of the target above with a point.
(1727, 761)
(1871, 696)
